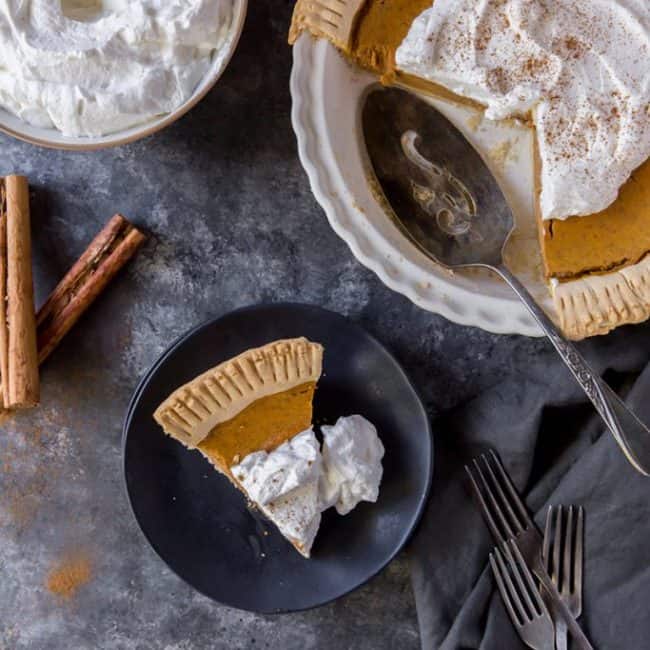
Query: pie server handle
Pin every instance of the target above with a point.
(631, 434)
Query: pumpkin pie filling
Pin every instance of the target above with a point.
(380, 29)
(262, 426)
(610, 247)
(602, 242)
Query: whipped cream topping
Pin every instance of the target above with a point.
(293, 484)
(92, 67)
(352, 471)
(579, 69)
(284, 484)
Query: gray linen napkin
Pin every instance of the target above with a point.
(556, 451)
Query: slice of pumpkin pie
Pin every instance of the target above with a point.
(252, 408)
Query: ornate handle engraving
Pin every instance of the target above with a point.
(629, 432)
(578, 367)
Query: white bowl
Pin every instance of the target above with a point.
(14, 126)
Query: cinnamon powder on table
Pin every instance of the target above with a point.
(69, 576)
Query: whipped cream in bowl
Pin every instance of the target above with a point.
(87, 74)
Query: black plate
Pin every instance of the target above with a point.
(200, 525)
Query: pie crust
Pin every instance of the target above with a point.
(191, 412)
(596, 304)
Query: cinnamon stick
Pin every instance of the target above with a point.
(111, 249)
(4, 333)
(18, 355)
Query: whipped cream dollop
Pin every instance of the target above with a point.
(579, 69)
(284, 484)
(293, 484)
(92, 67)
(352, 470)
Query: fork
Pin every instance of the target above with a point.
(523, 601)
(507, 518)
(334, 19)
(564, 562)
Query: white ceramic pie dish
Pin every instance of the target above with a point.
(52, 138)
(327, 94)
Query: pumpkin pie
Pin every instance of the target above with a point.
(252, 404)
(597, 264)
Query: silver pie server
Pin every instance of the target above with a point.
(445, 199)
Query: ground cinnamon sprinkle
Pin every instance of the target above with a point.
(23, 485)
(69, 576)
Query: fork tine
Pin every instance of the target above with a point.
(567, 562)
(515, 523)
(485, 508)
(577, 566)
(507, 588)
(546, 548)
(532, 587)
(557, 577)
(495, 501)
(506, 530)
(516, 571)
(515, 498)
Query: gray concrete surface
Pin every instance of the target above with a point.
(232, 222)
